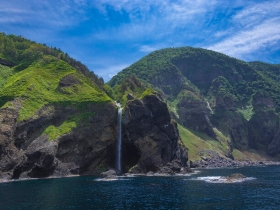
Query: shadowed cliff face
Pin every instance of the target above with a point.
(26, 151)
(264, 125)
(194, 114)
(149, 128)
(151, 140)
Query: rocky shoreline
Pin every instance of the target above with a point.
(112, 174)
(228, 163)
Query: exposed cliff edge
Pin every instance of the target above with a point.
(26, 151)
(223, 104)
(57, 118)
(151, 140)
(151, 131)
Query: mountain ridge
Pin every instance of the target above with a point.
(56, 119)
(206, 90)
(59, 119)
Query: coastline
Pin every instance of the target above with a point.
(204, 165)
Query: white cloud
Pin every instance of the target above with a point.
(147, 48)
(254, 14)
(107, 72)
(43, 13)
(254, 28)
(248, 41)
(155, 19)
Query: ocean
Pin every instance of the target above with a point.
(202, 190)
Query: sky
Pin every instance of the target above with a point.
(109, 35)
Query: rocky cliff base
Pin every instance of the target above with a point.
(214, 160)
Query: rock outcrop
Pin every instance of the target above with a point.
(150, 130)
(264, 125)
(26, 151)
(234, 178)
(6, 63)
(151, 140)
(194, 114)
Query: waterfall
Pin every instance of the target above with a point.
(119, 140)
(209, 107)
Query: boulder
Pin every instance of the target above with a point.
(234, 178)
(109, 173)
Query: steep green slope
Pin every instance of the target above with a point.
(18, 52)
(38, 85)
(34, 77)
(207, 90)
(199, 70)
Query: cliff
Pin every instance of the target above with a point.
(150, 129)
(215, 98)
(56, 119)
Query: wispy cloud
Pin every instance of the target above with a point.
(244, 42)
(253, 15)
(109, 71)
(254, 28)
(147, 48)
(123, 31)
(155, 19)
(43, 13)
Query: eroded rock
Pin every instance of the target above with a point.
(150, 128)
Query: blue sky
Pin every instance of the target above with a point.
(109, 35)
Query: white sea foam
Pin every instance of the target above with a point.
(17, 180)
(109, 179)
(189, 174)
(222, 179)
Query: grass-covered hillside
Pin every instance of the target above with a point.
(33, 75)
(198, 70)
(210, 93)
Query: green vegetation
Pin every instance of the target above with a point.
(38, 84)
(147, 92)
(188, 77)
(254, 155)
(247, 112)
(131, 85)
(55, 132)
(19, 52)
(35, 77)
(195, 142)
(204, 72)
(81, 118)
(6, 72)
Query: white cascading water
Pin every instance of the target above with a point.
(119, 140)
(209, 107)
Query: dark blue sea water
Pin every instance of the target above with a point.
(176, 192)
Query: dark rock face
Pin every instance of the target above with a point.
(6, 63)
(234, 178)
(67, 81)
(130, 96)
(194, 114)
(151, 141)
(10, 156)
(264, 125)
(232, 124)
(149, 127)
(26, 152)
(274, 146)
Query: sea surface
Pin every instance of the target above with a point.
(198, 191)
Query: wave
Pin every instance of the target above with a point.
(188, 174)
(109, 179)
(222, 179)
